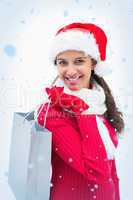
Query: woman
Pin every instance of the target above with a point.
(82, 116)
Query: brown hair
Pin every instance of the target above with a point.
(113, 115)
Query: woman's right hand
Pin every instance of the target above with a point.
(64, 101)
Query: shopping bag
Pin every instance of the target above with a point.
(29, 173)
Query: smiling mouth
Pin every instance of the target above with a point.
(73, 78)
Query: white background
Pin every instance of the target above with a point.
(26, 29)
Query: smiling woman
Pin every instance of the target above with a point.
(82, 116)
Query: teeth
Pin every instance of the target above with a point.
(73, 78)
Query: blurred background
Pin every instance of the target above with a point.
(26, 30)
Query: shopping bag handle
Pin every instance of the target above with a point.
(36, 108)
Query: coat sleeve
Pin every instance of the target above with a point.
(72, 147)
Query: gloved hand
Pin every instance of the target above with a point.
(65, 101)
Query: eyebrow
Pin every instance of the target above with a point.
(75, 58)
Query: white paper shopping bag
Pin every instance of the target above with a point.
(30, 159)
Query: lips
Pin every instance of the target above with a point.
(73, 80)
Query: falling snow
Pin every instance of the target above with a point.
(92, 190)
(111, 120)
(51, 184)
(56, 149)
(70, 160)
(60, 176)
(96, 186)
(10, 50)
(110, 179)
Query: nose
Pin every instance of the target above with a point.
(71, 71)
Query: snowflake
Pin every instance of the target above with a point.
(96, 186)
(60, 176)
(70, 159)
(56, 149)
(10, 50)
(51, 184)
(90, 171)
(92, 189)
(110, 179)
(111, 120)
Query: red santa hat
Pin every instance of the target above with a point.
(85, 37)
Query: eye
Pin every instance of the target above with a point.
(79, 61)
(61, 62)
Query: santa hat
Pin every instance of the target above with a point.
(85, 37)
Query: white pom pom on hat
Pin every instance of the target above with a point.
(85, 37)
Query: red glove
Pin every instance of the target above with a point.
(59, 99)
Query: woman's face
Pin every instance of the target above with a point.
(74, 68)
